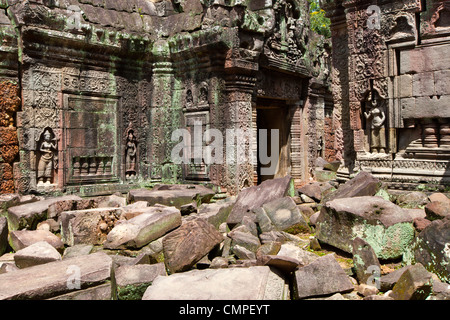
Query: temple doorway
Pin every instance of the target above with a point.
(273, 139)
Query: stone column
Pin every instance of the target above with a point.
(165, 115)
(240, 84)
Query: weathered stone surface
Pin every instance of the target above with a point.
(23, 238)
(364, 184)
(254, 197)
(437, 210)
(189, 243)
(243, 253)
(388, 281)
(35, 254)
(56, 277)
(144, 228)
(172, 195)
(89, 226)
(100, 292)
(253, 283)
(283, 263)
(77, 250)
(414, 284)
(243, 237)
(437, 196)
(280, 215)
(3, 235)
(323, 276)
(132, 281)
(218, 212)
(292, 251)
(384, 225)
(432, 248)
(412, 200)
(28, 215)
(365, 262)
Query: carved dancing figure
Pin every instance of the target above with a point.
(377, 118)
(47, 160)
(130, 155)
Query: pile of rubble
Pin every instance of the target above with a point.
(179, 242)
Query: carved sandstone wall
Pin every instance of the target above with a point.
(390, 69)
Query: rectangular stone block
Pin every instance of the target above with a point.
(418, 60)
(441, 82)
(426, 107)
(254, 283)
(56, 278)
(88, 226)
(28, 215)
(423, 84)
(405, 89)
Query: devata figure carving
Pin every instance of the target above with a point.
(48, 159)
(130, 156)
(376, 117)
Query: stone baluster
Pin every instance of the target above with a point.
(84, 167)
(444, 133)
(76, 167)
(430, 133)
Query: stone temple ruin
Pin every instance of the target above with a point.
(108, 82)
(111, 111)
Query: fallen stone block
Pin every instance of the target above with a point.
(437, 210)
(385, 226)
(77, 250)
(56, 278)
(3, 235)
(415, 283)
(218, 212)
(172, 195)
(253, 283)
(285, 264)
(27, 216)
(432, 248)
(363, 184)
(100, 292)
(243, 237)
(254, 197)
(388, 281)
(144, 228)
(35, 254)
(189, 243)
(281, 215)
(302, 256)
(23, 238)
(132, 281)
(323, 276)
(366, 264)
(89, 226)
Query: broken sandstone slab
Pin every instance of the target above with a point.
(253, 283)
(280, 215)
(386, 227)
(89, 226)
(363, 184)
(172, 195)
(35, 254)
(144, 228)
(131, 281)
(23, 238)
(323, 276)
(27, 216)
(189, 243)
(254, 197)
(55, 278)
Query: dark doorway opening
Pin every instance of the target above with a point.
(273, 115)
